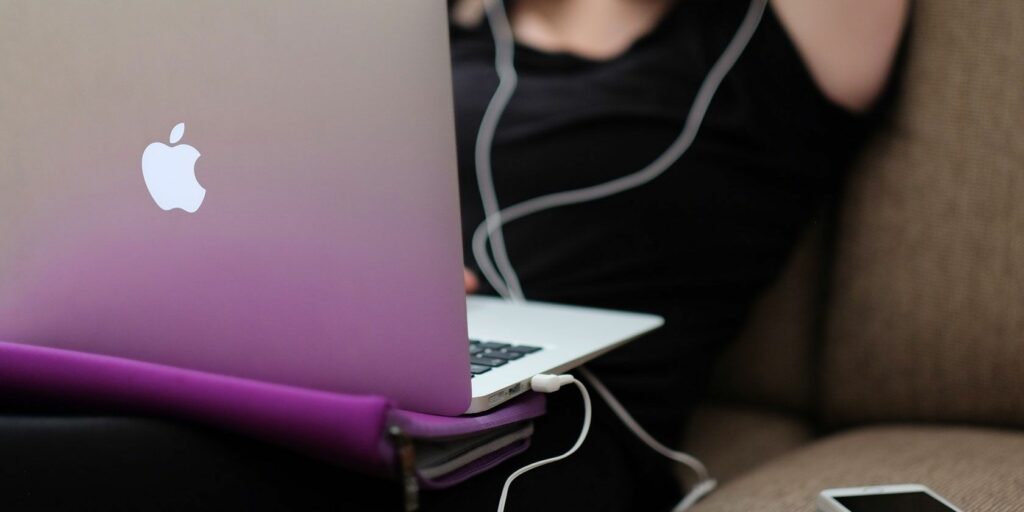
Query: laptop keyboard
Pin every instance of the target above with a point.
(484, 355)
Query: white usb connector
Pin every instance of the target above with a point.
(547, 383)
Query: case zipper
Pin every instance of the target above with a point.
(405, 461)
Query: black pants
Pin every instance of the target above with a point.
(84, 462)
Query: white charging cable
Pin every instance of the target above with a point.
(546, 383)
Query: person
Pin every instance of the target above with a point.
(604, 87)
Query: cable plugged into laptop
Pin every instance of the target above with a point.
(547, 383)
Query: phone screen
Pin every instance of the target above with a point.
(897, 502)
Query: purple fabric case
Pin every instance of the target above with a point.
(349, 430)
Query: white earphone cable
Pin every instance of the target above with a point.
(507, 283)
(705, 484)
(503, 277)
(491, 229)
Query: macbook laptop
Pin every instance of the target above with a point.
(262, 189)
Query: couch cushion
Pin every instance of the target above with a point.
(976, 469)
(732, 440)
(926, 319)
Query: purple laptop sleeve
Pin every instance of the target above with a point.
(355, 432)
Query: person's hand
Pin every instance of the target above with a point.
(472, 284)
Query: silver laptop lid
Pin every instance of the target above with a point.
(318, 242)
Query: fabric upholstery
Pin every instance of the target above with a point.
(771, 364)
(731, 440)
(976, 469)
(926, 319)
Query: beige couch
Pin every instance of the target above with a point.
(892, 350)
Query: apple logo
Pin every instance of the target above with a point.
(170, 173)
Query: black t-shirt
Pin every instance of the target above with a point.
(701, 241)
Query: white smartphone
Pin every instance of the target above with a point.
(883, 498)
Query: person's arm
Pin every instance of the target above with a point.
(848, 45)
(470, 280)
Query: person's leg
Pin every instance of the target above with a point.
(123, 463)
